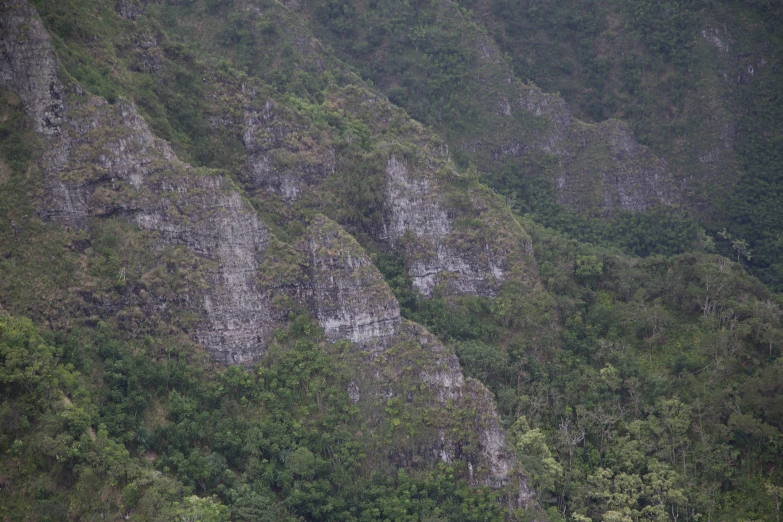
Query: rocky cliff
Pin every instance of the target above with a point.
(451, 231)
(29, 67)
(102, 164)
(349, 297)
(103, 161)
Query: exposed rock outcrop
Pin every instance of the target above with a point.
(599, 166)
(130, 9)
(284, 156)
(349, 297)
(28, 66)
(452, 232)
(492, 462)
(610, 171)
(453, 418)
(102, 160)
(417, 218)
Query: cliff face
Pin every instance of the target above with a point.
(437, 250)
(277, 161)
(596, 166)
(349, 297)
(452, 232)
(102, 160)
(447, 417)
(29, 67)
(402, 360)
(102, 164)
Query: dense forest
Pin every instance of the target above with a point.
(369, 260)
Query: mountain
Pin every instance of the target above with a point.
(662, 104)
(245, 278)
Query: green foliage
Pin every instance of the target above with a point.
(458, 319)
(588, 269)
(642, 61)
(660, 230)
(753, 208)
(624, 413)
(30, 367)
(338, 15)
(198, 509)
(634, 388)
(535, 455)
(165, 439)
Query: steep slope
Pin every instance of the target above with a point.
(386, 178)
(433, 59)
(84, 170)
(692, 80)
(102, 169)
(102, 160)
(696, 87)
(204, 181)
(401, 359)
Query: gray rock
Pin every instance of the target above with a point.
(129, 9)
(28, 66)
(278, 161)
(349, 297)
(417, 218)
(103, 161)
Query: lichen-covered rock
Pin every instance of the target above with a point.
(205, 216)
(102, 160)
(148, 54)
(452, 232)
(458, 243)
(492, 463)
(28, 66)
(395, 359)
(595, 166)
(349, 297)
(503, 123)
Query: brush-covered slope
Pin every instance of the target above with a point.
(437, 61)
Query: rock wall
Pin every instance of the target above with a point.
(101, 160)
(416, 216)
(422, 377)
(28, 66)
(464, 245)
(349, 297)
(283, 157)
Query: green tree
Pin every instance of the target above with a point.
(202, 509)
(535, 456)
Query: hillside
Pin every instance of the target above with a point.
(661, 104)
(309, 261)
